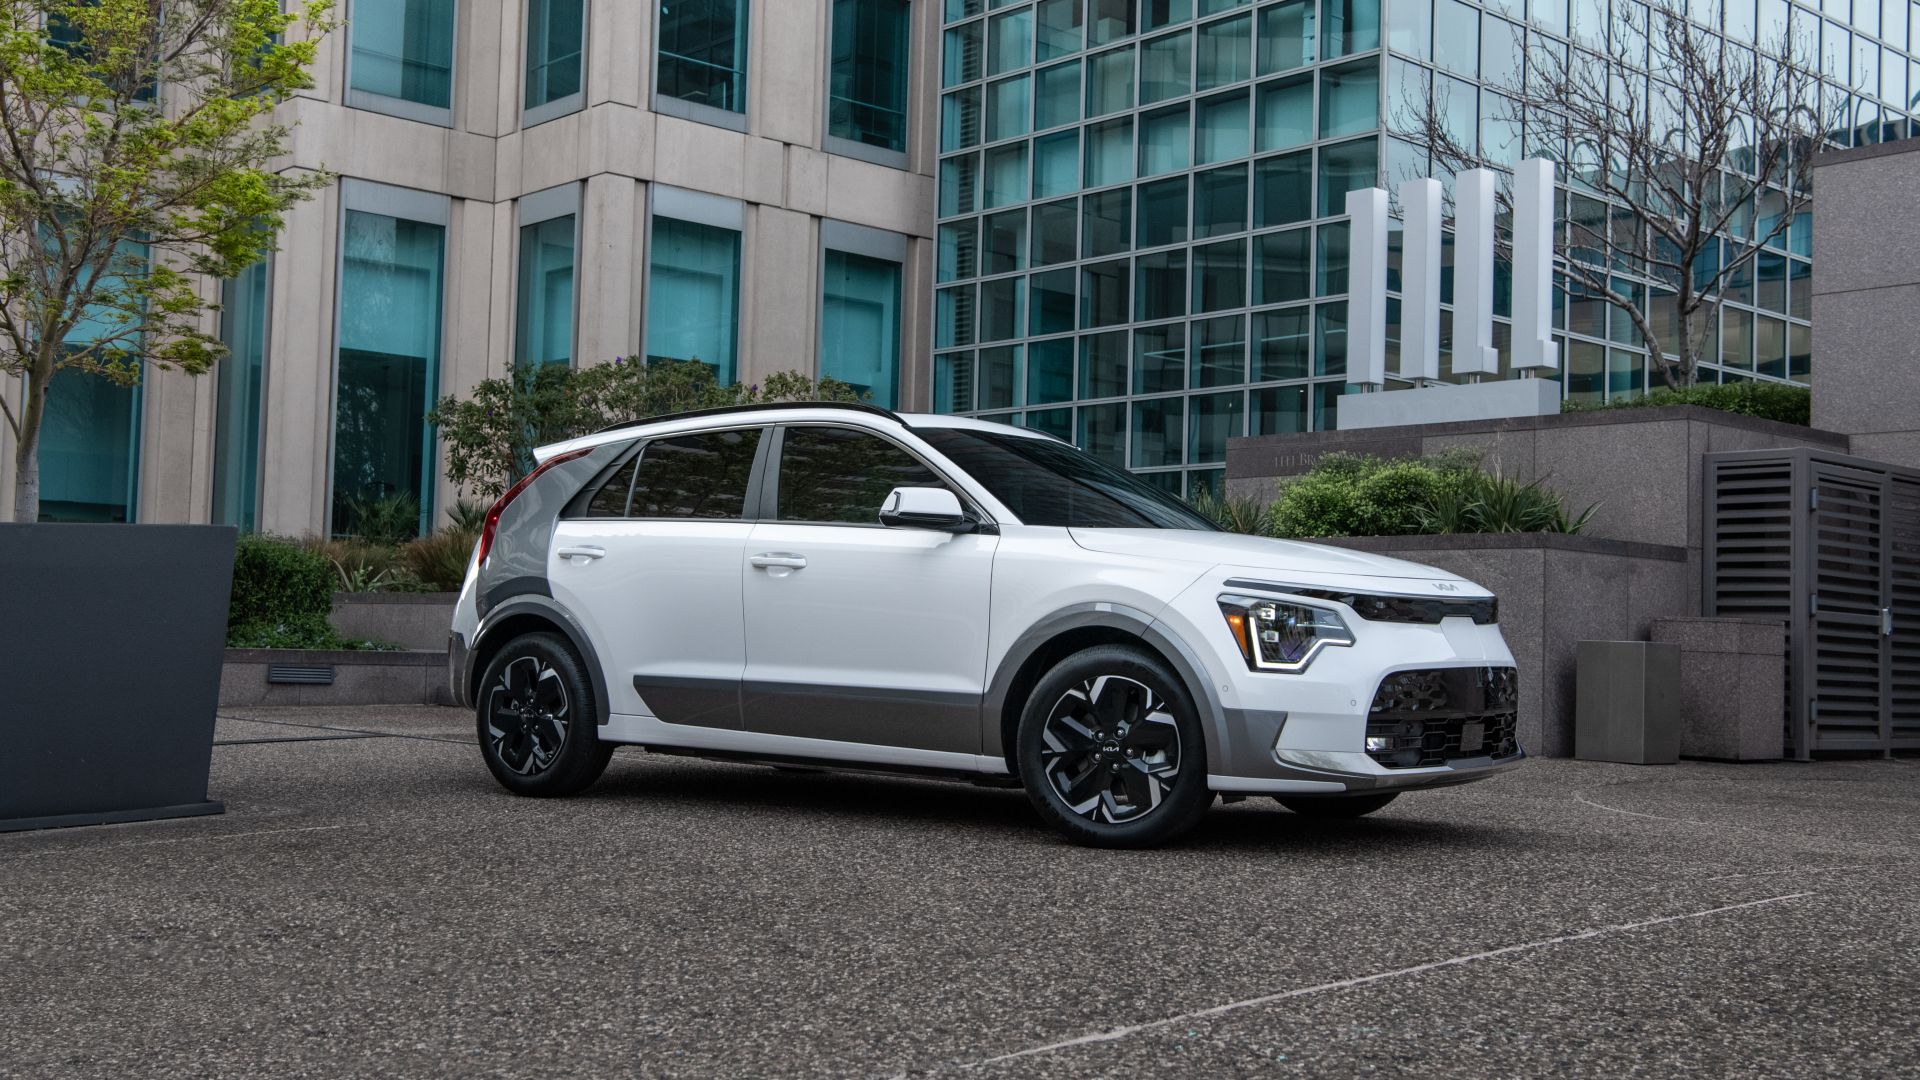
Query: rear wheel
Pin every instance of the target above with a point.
(1336, 806)
(537, 720)
(1111, 752)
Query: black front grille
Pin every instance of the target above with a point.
(1425, 715)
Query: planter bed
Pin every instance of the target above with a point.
(1555, 591)
(416, 621)
(333, 677)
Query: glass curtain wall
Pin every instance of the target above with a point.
(867, 96)
(404, 49)
(703, 52)
(90, 432)
(1132, 257)
(556, 41)
(693, 302)
(860, 325)
(391, 285)
(237, 398)
(544, 321)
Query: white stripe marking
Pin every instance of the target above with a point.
(1345, 984)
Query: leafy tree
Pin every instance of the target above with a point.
(490, 436)
(136, 142)
(1685, 153)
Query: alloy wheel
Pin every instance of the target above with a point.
(527, 718)
(1111, 749)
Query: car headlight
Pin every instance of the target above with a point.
(1281, 635)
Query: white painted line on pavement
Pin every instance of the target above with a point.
(184, 839)
(1345, 984)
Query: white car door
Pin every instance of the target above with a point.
(651, 568)
(856, 632)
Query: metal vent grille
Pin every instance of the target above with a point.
(1830, 546)
(318, 675)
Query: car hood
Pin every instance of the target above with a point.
(1284, 560)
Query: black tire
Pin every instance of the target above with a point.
(1114, 728)
(1336, 806)
(537, 719)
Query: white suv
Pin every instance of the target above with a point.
(831, 584)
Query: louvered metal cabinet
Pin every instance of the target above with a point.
(1830, 545)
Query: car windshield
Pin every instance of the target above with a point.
(1050, 483)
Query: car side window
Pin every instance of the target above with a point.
(611, 500)
(702, 475)
(837, 475)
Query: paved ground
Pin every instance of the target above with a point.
(372, 905)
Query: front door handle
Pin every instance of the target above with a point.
(784, 560)
(583, 551)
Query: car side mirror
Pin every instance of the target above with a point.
(923, 508)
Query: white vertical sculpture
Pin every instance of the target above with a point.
(1367, 287)
(1473, 352)
(1420, 281)
(1533, 344)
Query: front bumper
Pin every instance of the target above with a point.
(1337, 772)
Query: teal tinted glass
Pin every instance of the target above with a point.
(867, 86)
(703, 52)
(693, 296)
(237, 395)
(391, 277)
(1286, 36)
(1285, 113)
(1349, 99)
(404, 49)
(556, 36)
(543, 328)
(1351, 26)
(860, 325)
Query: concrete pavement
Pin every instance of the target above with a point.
(372, 904)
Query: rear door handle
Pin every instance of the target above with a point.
(782, 559)
(583, 551)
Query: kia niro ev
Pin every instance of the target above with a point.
(838, 585)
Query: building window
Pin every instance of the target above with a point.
(703, 53)
(694, 295)
(237, 398)
(867, 95)
(860, 325)
(391, 275)
(556, 57)
(90, 432)
(403, 55)
(543, 317)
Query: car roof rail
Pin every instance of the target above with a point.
(724, 410)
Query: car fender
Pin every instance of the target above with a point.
(1157, 635)
(546, 608)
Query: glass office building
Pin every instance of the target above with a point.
(1141, 239)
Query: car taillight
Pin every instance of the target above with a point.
(500, 505)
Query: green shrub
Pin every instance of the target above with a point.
(1245, 515)
(1347, 495)
(305, 631)
(439, 561)
(1767, 400)
(277, 582)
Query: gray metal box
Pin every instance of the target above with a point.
(1627, 702)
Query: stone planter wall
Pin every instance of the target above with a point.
(416, 621)
(358, 678)
(1642, 466)
(1555, 591)
(1733, 686)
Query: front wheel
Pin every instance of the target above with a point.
(537, 722)
(1336, 806)
(1111, 752)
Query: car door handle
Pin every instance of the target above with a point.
(786, 560)
(583, 551)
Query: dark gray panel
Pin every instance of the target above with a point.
(915, 719)
(711, 703)
(114, 636)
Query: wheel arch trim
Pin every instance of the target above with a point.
(551, 612)
(1151, 632)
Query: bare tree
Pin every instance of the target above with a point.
(1672, 141)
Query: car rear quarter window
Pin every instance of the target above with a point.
(838, 475)
(701, 475)
(611, 500)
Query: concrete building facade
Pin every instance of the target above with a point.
(550, 180)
